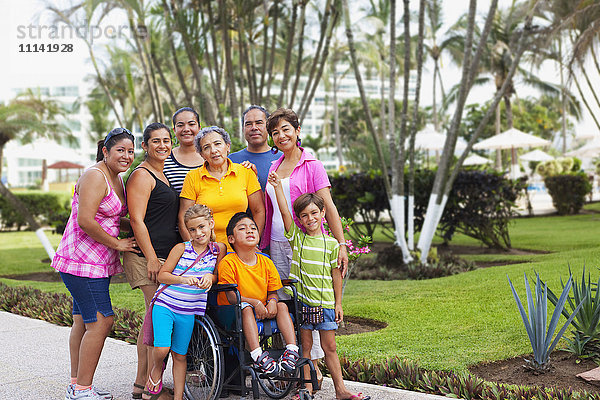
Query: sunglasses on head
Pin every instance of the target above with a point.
(118, 131)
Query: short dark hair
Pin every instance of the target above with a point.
(154, 127)
(237, 217)
(304, 200)
(254, 107)
(190, 109)
(111, 139)
(282, 113)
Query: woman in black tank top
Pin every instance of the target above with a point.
(153, 207)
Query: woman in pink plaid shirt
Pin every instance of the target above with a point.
(88, 255)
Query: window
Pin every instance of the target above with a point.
(29, 162)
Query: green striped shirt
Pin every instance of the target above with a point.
(313, 271)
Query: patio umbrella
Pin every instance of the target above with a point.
(475, 159)
(588, 150)
(430, 139)
(511, 139)
(536, 155)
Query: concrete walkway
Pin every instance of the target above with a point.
(34, 365)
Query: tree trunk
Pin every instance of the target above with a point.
(585, 102)
(300, 54)
(363, 96)
(437, 201)
(436, 123)
(411, 154)
(454, 173)
(218, 69)
(143, 61)
(336, 120)
(288, 55)
(315, 59)
(228, 61)
(168, 19)
(382, 111)
(322, 62)
(272, 53)
(563, 97)
(164, 81)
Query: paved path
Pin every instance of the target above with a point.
(34, 365)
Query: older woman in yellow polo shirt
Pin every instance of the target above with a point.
(224, 186)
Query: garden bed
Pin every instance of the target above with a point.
(565, 367)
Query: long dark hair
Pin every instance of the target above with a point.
(111, 139)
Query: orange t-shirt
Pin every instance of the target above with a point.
(253, 281)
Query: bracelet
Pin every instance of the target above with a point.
(342, 244)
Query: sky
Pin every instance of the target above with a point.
(26, 23)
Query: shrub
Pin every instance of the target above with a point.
(48, 208)
(407, 375)
(360, 193)
(57, 309)
(568, 191)
(481, 206)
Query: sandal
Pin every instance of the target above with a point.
(137, 395)
(358, 396)
(297, 396)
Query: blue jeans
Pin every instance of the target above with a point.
(90, 296)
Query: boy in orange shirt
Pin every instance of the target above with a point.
(258, 282)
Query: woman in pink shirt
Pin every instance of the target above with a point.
(300, 173)
(88, 255)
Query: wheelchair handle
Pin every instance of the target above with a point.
(224, 287)
(288, 282)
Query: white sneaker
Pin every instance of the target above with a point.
(87, 394)
(102, 393)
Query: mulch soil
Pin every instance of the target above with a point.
(563, 374)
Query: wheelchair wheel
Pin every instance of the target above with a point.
(205, 365)
(273, 387)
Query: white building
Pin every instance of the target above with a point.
(319, 118)
(22, 163)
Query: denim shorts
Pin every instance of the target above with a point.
(90, 296)
(171, 329)
(328, 323)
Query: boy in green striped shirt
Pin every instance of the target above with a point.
(314, 265)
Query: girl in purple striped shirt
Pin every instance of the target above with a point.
(181, 295)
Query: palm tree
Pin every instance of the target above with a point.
(25, 118)
(451, 44)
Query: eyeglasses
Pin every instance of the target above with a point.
(118, 131)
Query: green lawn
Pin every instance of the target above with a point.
(445, 323)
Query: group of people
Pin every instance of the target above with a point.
(197, 216)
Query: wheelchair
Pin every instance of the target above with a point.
(217, 361)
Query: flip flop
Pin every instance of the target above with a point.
(358, 396)
(135, 395)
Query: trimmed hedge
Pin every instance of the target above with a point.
(568, 191)
(47, 208)
(480, 204)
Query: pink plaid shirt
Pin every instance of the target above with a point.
(308, 176)
(78, 254)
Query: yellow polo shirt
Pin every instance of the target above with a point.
(224, 197)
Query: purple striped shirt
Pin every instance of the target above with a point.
(186, 299)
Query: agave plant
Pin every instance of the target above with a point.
(535, 325)
(586, 320)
